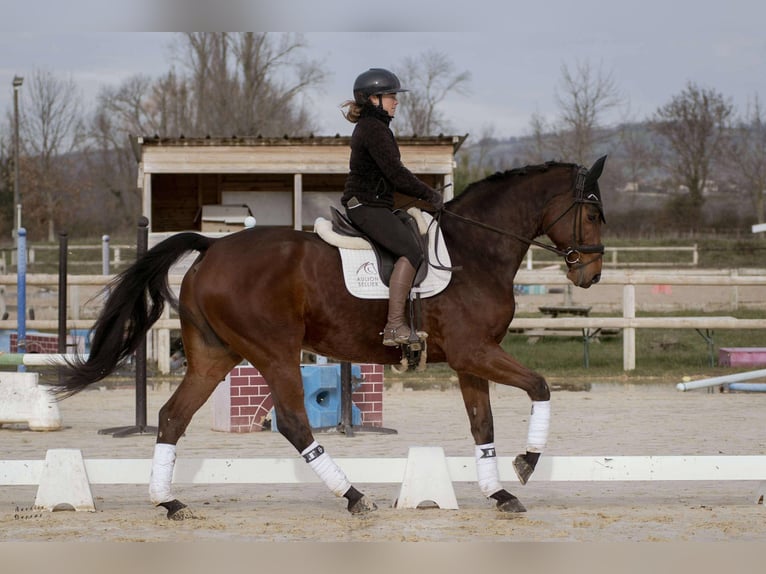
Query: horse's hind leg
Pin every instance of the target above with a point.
(207, 366)
(475, 392)
(286, 385)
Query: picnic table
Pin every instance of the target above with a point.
(556, 310)
(587, 335)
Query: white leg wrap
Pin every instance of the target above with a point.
(163, 464)
(326, 469)
(486, 469)
(539, 423)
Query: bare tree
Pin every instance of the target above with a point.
(747, 153)
(430, 78)
(640, 154)
(475, 161)
(694, 124)
(112, 168)
(231, 84)
(583, 97)
(248, 83)
(6, 185)
(271, 75)
(52, 131)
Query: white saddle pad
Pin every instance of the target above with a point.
(360, 266)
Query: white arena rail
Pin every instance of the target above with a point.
(426, 474)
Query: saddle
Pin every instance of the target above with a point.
(385, 259)
(367, 269)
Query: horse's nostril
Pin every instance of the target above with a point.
(597, 278)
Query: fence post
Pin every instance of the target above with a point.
(629, 333)
(105, 255)
(140, 428)
(141, 247)
(63, 242)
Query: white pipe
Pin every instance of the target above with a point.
(733, 378)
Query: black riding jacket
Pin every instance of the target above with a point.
(375, 167)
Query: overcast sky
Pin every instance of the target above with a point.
(514, 51)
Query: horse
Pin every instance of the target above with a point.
(266, 294)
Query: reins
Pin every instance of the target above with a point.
(567, 253)
(528, 241)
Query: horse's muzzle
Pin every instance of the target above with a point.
(580, 277)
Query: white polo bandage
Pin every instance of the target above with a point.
(326, 469)
(163, 463)
(486, 469)
(539, 423)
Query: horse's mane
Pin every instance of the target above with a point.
(518, 172)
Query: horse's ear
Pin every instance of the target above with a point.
(595, 171)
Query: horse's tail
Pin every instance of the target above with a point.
(136, 300)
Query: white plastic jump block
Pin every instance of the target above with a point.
(64, 482)
(23, 400)
(426, 479)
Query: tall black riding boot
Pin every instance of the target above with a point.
(396, 330)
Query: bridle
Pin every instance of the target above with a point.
(572, 253)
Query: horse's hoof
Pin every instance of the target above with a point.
(362, 506)
(523, 469)
(512, 505)
(177, 510)
(506, 502)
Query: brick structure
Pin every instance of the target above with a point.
(42, 343)
(48, 343)
(242, 402)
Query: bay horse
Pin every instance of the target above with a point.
(266, 294)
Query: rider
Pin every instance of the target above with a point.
(375, 172)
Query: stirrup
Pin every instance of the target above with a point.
(394, 336)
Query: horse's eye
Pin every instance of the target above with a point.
(592, 217)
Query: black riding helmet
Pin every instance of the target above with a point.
(376, 82)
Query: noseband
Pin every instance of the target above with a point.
(572, 253)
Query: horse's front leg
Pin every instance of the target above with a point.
(475, 392)
(287, 393)
(490, 362)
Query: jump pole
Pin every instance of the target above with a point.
(733, 378)
(21, 294)
(36, 359)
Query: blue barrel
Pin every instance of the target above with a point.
(321, 390)
(83, 335)
(748, 387)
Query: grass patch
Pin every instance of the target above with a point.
(662, 355)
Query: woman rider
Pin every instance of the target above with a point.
(375, 172)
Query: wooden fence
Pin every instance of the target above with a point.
(627, 322)
(537, 257)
